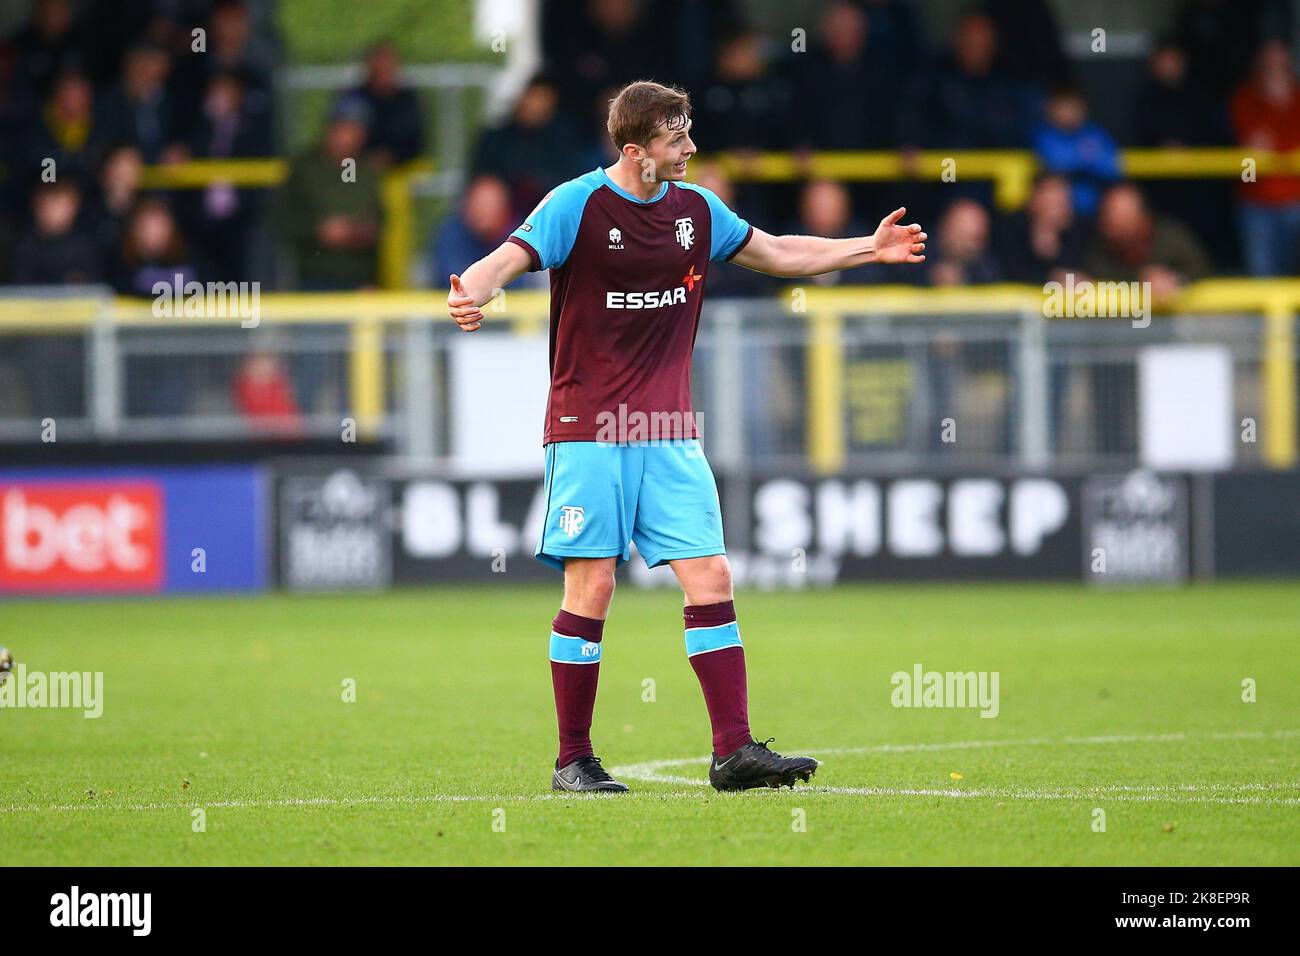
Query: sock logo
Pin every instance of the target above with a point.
(590, 649)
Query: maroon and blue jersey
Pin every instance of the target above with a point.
(627, 280)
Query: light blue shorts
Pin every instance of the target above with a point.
(601, 498)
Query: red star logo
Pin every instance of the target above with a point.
(690, 279)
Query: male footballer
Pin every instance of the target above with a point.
(629, 249)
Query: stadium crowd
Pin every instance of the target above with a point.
(91, 94)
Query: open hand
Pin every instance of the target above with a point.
(895, 243)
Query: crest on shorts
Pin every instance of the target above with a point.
(571, 519)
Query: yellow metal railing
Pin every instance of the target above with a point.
(395, 242)
(1010, 171)
(824, 308)
(1277, 300)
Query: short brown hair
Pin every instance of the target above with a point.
(642, 107)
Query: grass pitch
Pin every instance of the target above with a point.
(1129, 703)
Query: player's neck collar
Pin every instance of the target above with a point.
(663, 189)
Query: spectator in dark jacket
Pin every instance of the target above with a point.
(962, 255)
(57, 251)
(221, 216)
(598, 44)
(1045, 239)
(47, 47)
(965, 102)
(109, 207)
(847, 98)
(1170, 110)
(139, 111)
(534, 151)
(746, 107)
(396, 124)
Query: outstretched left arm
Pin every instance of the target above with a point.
(791, 256)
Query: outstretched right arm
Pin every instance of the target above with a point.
(482, 282)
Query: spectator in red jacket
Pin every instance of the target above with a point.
(1266, 114)
(263, 393)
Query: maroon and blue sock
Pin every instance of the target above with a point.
(715, 652)
(575, 671)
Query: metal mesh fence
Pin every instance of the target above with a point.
(897, 392)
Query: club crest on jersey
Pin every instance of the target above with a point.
(571, 519)
(615, 239)
(685, 232)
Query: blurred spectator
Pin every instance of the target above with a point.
(1266, 114)
(961, 256)
(66, 131)
(333, 223)
(700, 29)
(893, 34)
(964, 101)
(846, 98)
(1046, 238)
(1133, 244)
(222, 216)
(745, 107)
(108, 209)
(482, 223)
(825, 209)
(1170, 111)
(139, 110)
(56, 251)
(601, 43)
(153, 250)
(1029, 43)
(1069, 144)
(48, 46)
(1220, 37)
(234, 47)
(111, 28)
(396, 125)
(534, 151)
(263, 393)
(726, 278)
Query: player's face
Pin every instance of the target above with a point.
(670, 150)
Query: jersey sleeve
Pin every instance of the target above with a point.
(548, 234)
(730, 232)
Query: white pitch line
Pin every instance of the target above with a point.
(648, 772)
(376, 801)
